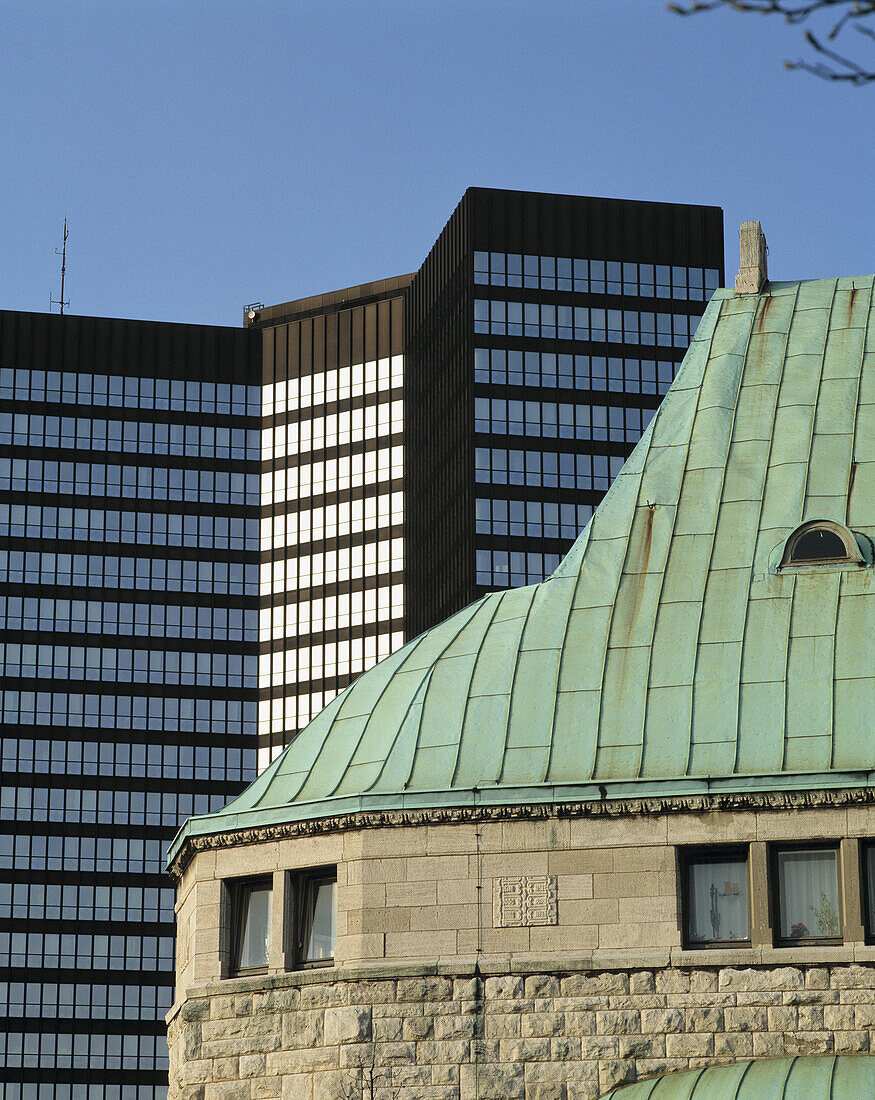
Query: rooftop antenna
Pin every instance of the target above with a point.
(63, 255)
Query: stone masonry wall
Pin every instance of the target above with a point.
(513, 1037)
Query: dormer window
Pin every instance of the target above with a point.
(820, 542)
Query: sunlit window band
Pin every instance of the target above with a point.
(334, 430)
(332, 475)
(344, 564)
(331, 612)
(323, 387)
(585, 276)
(344, 518)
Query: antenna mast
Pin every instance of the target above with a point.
(63, 255)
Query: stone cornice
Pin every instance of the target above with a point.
(822, 798)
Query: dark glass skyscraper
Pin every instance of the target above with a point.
(129, 505)
(540, 335)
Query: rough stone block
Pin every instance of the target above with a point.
(492, 1082)
(642, 982)
(852, 977)
(665, 1021)
(783, 1019)
(774, 978)
(266, 1088)
(252, 1065)
(613, 1073)
(734, 1045)
(642, 1046)
(689, 1046)
(504, 1025)
(809, 1042)
(618, 1023)
(542, 1023)
(852, 1042)
(595, 985)
(566, 1048)
(542, 985)
(302, 1029)
(767, 1045)
(524, 1050)
(349, 1024)
(703, 981)
(705, 1019)
(507, 987)
(227, 1090)
(838, 1017)
(746, 1019)
(672, 981)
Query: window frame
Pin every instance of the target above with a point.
(853, 556)
(305, 891)
(775, 850)
(711, 853)
(239, 891)
(868, 917)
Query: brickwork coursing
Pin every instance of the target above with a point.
(512, 1037)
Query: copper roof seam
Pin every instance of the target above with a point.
(832, 1076)
(766, 467)
(863, 352)
(695, 1084)
(559, 666)
(787, 1078)
(498, 602)
(752, 320)
(643, 754)
(510, 691)
(804, 510)
(801, 518)
(427, 679)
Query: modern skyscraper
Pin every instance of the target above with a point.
(541, 333)
(332, 582)
(129, 511)
(436, 436)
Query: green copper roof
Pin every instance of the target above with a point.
(665, 655)
(825, 1077)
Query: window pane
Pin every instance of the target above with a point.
(717, 903)
(255, 931)
(869, 857)
(323, 930)
(808, 894)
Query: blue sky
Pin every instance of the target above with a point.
(210, 154)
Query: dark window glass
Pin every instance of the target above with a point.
(868, 854)
(715, 890)
(316, 924)
(807, 895)
(818, 545)
(251, 913)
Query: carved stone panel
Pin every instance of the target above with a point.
(524, 901)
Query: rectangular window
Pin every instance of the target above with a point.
(806, 895)
(316, 917)
(867, 852)
(251, 904)
(715, 897)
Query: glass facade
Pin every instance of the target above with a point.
(332, 491)
(550, 372)
(129, 570)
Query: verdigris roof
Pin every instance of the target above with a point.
(823, 1077)
(665, 655)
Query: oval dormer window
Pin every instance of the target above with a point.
(821, 542)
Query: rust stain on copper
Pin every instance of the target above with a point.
(761, 317)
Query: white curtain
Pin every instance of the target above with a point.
(717, 901)
(808, 896)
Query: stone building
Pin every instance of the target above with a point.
(607, 828)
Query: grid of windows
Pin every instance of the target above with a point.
(24, 429)
(129, 391)
(549, 370)
(140, 482)
(559, 420)
(108, 572)
(545, 469)
(545, 321)
(140, 619)
(540, 519)
(512, 568)
(123, 758)
(595, 276)
(123, 712)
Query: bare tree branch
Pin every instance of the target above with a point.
(834, 65)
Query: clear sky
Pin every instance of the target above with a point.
(211, 154)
